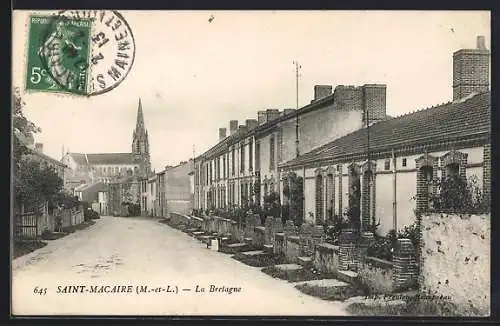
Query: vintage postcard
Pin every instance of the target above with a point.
(251, 163)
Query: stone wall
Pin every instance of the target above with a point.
(455, 259)
(377, 275)
(326, 258)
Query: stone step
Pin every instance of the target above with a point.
(268, 248)
(347, 276)
(327, 289)
(204, 238)
(289, 272)
(256, 258)
(247, 240)
(254, 253)
(305, 261)
(234, 247)
(191, 230)
(196, 233)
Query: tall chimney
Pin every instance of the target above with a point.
(321, 91)
(251, 123)
(233, 126)
(39, 147)
(272, 114)
(471, 70)
(262, 117)
(481, 43)
(222, 133)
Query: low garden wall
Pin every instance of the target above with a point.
(326, 258)
(455, 260)
(377, 275)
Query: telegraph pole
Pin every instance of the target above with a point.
(297, 67)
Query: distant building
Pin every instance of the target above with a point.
(178, 192)
(87, 168)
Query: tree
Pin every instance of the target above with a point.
(23, 129)
(35, 183)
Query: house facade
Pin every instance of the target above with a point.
(243, 167)
(390, 168)
(343, 144)
(178, 193)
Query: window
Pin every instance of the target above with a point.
(319, 198)
(280, 145)
(242, 157)
(250, 155)
(232, 161)
(271, 153)
(330, 196)
(208, 174)
(224, 166)
(387, 164)
(452, 170)
(257, 156)
(211, 172)
(217, 164)
(404, 162)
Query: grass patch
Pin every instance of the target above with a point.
(23, 248)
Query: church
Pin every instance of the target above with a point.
(89, 168)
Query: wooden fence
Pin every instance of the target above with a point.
(30, 226)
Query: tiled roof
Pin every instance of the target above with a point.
(446, 121)
(47, 158)
(96, 186)
(103, 158)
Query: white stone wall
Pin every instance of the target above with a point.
(456, 258)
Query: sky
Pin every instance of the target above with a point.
(194, 75)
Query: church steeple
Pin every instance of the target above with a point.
(140, 142)
(140, 118)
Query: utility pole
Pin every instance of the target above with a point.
(371, 175)
(297, 67)
(194, 178)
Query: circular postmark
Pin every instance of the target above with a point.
(88, 52)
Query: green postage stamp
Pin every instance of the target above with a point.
(58, 54)
(81, 52)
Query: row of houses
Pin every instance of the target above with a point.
(170, 190)
(343, 144)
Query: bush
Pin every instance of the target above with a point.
(383, 247)
(458, 195)
(90, 214)
(333, 227)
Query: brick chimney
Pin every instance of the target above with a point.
(262, 117)
(373, 99)
(481, 43)
(471, 70)
(251, 123)
(233, 126)
(288, 111)
(272, 114)
(222, 133)
(242, 128)
(321, 91)
(39, 147)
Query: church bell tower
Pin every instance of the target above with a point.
(140, 143)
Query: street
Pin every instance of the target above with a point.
(138, 266)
